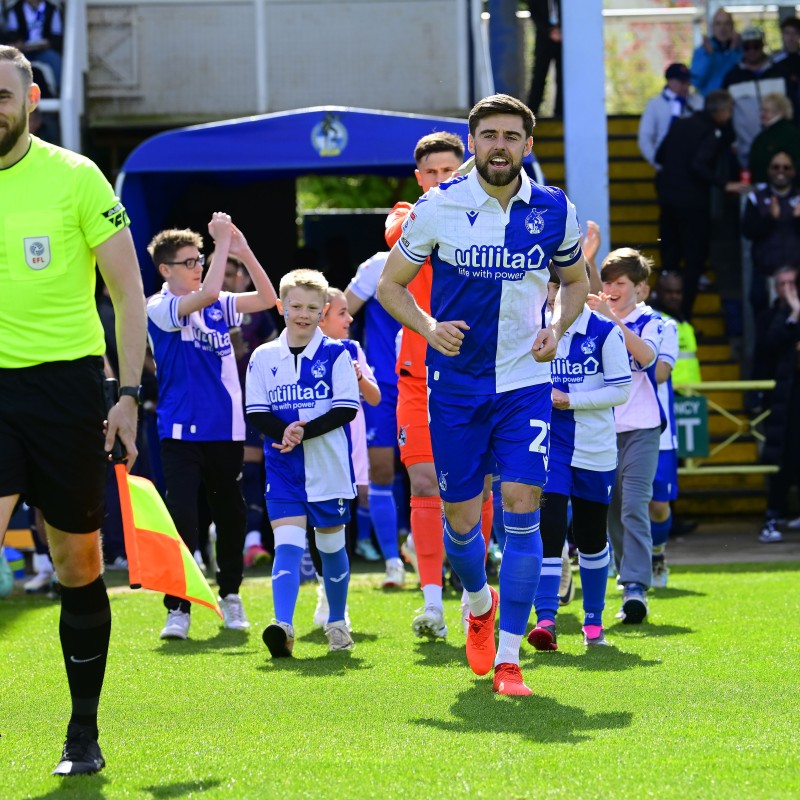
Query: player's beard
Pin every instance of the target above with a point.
(498, 177)
(15, 128)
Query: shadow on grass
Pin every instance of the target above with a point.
(184, 789)
(537, 718)
(323, 666)
(317, 635)
(594, 659)
(439, 653)
(669, 593)
(225, 639)
(647, 629)
(84, 787)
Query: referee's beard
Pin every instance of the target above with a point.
(15, 128)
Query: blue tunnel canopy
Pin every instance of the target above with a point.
(284, 145)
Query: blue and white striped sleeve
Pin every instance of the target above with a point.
(256, 386)
(228, 302)
(616, 363)
(569, 251)
(417, 239)
(653, 335)
(344, 382)
(669, 343)
(163, 311)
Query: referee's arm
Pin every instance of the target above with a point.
(117, 262)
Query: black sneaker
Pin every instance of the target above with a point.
(81, 754)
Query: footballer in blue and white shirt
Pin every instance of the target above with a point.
(320, 468)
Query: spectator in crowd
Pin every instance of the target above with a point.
(782, 445)
(771, 221)
(546, 18)
(787, 61)
(676, 101)
(35, 28)
(694, 157)
(778, 133)
(752, 78)
(716, 55)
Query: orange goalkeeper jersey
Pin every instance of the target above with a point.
(411, 358)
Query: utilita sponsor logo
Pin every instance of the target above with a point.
(573, 372)
(304, 395)
(498, 262)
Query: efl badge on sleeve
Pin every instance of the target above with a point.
(37, 251)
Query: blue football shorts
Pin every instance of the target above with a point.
(321, 514)
(470, 432)
(665, 484)
(586, 484)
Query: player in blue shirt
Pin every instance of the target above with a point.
(490, 237)
(591, 375)
(302, 394)
(200, 412)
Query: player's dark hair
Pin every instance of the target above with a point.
(164, 245)
(440, 142)
(501, 104)
(790, 22)
(628, 262)
(16, 57)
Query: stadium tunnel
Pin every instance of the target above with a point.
(248, 168)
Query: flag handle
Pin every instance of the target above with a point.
(111, 393)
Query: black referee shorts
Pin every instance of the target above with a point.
(51, 440)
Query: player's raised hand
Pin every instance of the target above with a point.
(544, 346)
(239, 244)
(220, 228)
(599, 303)
(447, 337)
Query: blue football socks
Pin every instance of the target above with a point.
(290, 544)
(335, 571)
(519, 570)
(594, 577)
(383, 511)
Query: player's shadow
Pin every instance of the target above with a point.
(439, 654)
(84, 787)
(323, 666)
(670, 593)
(536, 718)
(224, 639)
(316, 636)
(648, 629)
(182, 789)
(593, 659)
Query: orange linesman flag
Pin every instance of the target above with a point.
(157, 557)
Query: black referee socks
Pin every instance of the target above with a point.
(85, 630)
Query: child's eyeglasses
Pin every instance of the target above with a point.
(189, 263)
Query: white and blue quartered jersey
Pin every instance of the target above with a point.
(490, 270)
(642, 409)
(324, 378)
(666, 396)
(199, 393)
(381, 329)
(592, 366)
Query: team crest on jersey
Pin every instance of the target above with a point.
(589, 345)
(534, 222)
(214, 314)
(443, 481)
(402, 436)
(319, 369)
(37, 251)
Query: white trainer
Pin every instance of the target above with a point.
(430, 623)
(233, 616)
(323, 611)
(566, 587)
(177, 626)
(395, 576)
(409, 552)
(339, 637)
(44, 574)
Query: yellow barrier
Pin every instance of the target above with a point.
(695, 466)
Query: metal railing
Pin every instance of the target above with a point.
(744, 426)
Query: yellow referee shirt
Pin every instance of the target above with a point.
(55, 206)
